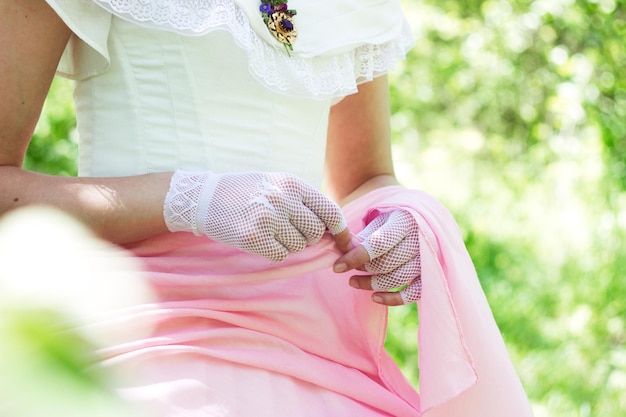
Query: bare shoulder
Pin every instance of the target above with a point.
(32, 39)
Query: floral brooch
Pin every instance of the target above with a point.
(279, 20)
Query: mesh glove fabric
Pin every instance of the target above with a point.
(270, 214)
(392, 241)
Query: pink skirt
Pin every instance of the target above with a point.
(232, 334)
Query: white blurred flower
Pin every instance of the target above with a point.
(49, 260)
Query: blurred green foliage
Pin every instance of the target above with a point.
(54, 368)
(54, 147)
(513, 113)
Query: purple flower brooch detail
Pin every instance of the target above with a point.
(279, 20)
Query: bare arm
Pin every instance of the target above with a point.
(358, 155)
(32, 39)
(358, 160)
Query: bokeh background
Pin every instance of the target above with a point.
(513, 114)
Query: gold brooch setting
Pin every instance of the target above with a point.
(278, 18)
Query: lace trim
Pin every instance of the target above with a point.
(180, 207)
(321, 76)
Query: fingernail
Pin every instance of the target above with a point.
(353, 283)
(377, 299)
(340, 267)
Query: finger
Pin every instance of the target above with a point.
(260, 236)
(384, 239)
(275, 252)
(396, 279)
(266, 246)
(412, 292)
(397, 256)
(373, 226)
(291, 239)
(388, 298)
(308, 224)
(326, 209)
(343, 240)
(363, 282)
(354, 258)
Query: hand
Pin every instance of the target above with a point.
(390, 250)
(270, 214)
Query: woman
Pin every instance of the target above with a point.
(202, 125)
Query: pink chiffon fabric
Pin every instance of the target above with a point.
(232, 334)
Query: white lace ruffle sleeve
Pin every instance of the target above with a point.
(86, 53)
(340, 44)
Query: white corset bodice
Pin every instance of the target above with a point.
(171, 101)
(201, 84)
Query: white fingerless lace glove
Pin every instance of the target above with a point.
(392, 241)
(270, 214)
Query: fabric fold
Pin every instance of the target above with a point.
(298, 321)
(463, 362)
(86, 53)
